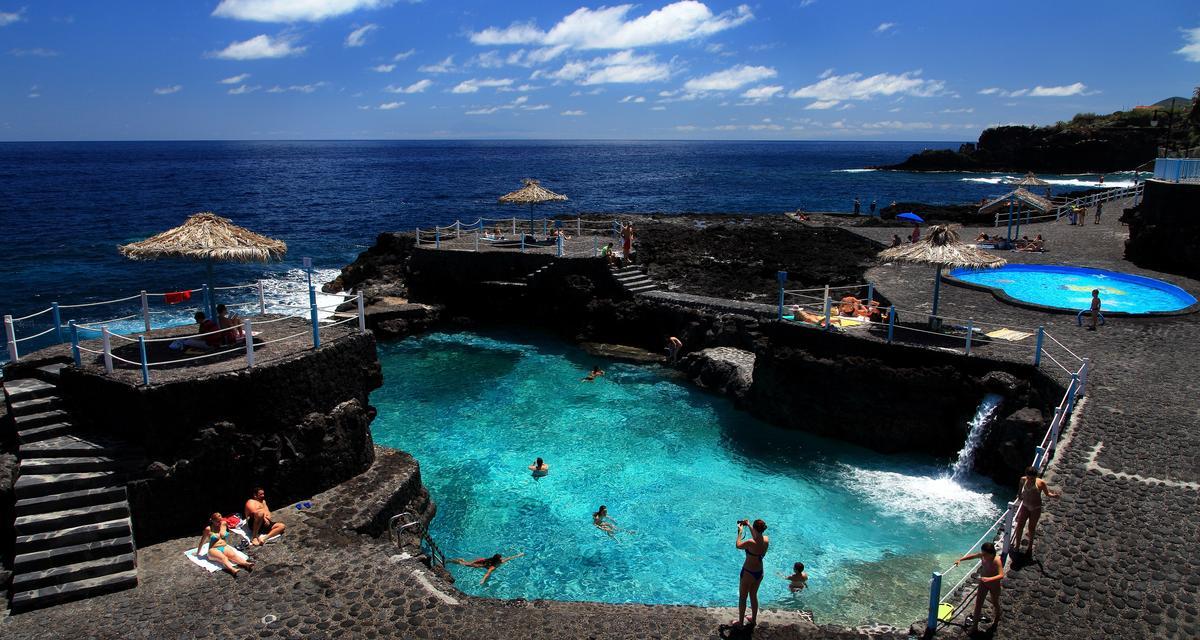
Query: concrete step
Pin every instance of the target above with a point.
(33, 485)
(70, 500)
(43, 432)
(58, 520)
(28, 389)
(644, 287)
(71, 554)
(51, 372)
(81, 534)
(635, 280)
(43, 466)
(39, 419)
(46, 596)
(36, 405)
(64, 446)
(626, 277)
(74, 572)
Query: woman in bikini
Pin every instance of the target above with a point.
(216, 534)
(752, 569)
(491, 564)
(604, 523)
(1032, 488)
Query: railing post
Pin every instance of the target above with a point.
(249, 333)
(935, 596)
(146, 311)
(477, 236)
(262, 300)
(362, 314)
(781, 276)
(75, 343)
(108, 366)
(145, 363)
(578, 227)
(1056, 427)
(595, 250)
(1039, 456)
(58, 328)
(828, 308)
(417, 233)
(208, 308)
(312, 306)
(10, 338)
(970, 332)
(1006, 542)
(1083, 375)
(1037, 353)
(870, 293)
(559, 247)
(437, 238)
(514, 226)
(522, 243)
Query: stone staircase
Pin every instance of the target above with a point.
(634, 280)
(74, 537)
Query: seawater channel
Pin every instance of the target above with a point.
(676, 467)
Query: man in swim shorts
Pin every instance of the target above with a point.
(260, 518)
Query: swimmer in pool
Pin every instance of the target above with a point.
(605, 523)
(539, 468)
(798, 580)
(596, 373)
(491, 564)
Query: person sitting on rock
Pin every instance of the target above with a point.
(233, 329)
(207, 337)
(983, 237)
(848, 306)
(896, 241)
(673, 346)
(260, 518)
(491, 564)
(607, 254)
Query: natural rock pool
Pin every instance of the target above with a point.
(678, 466)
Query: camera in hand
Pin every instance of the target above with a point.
(744, 522)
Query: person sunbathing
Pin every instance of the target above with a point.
(983, 237)
(804, 316)
(848, 305)
(260, 518)
(220, 551)
(491, 564)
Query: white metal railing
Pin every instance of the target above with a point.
(1177, 169)
(1065, 208)
(567, 238)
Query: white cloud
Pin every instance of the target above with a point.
(823, 104)
(475, 84)
(417, 87)
(445, 66)
(762, 92)
(9, 18)
(487, 60)
(853, 86)
(403, 55)
(965, 110)
(245, 88)
(358, 37)
(1191, 50)
(388, 106)
(729, 79)
(261, 46)
(636, 99)
(609, 28)
(383, 68)
(1059, 91)
(298, 88)
(36, 52)
(895, 110)
(989, 91)
(897, 125)
(166, 91)
(573, 112)
(238, 79)
(35, 92)
(884, 26)
(482, 111)
(658, 108)
(292, 10)
(686, 127)
(620, 67)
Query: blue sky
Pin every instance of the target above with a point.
(712, 69)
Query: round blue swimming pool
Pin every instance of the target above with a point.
(1065, 287)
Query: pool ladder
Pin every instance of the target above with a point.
(406, 521)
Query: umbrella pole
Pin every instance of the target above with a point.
(212, 303)
(1008, 234)
(937, 290)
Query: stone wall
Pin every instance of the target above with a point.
(1164, 230)
(296, 426)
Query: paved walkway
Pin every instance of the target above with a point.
(1117, 554)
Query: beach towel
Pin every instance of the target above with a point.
(175, 297)
(202, 560)
(1012, 335)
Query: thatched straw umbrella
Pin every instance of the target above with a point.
(941, 248)
(1012, 199)
(532, 193)
(208, 237)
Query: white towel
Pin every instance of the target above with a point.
(204, 562)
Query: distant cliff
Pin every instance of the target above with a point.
(1088, 143)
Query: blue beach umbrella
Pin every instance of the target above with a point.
(910, 216)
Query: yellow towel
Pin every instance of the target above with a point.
(1011, 335)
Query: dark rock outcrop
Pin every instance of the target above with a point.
(365, 503)
(1164, 232)
(1009, 442)
(725, 370)
(295, 426)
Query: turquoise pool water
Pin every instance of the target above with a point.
(1071, 287)
(677, 465)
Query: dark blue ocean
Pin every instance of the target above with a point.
(66, 206)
